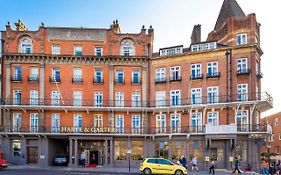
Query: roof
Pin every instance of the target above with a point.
(230, 8)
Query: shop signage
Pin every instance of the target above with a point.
(66, 129)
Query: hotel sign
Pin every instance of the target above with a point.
(66, 129)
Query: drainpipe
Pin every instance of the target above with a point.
(228, 55)
(1, 79)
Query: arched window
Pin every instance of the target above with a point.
(127, 47)
(25, 45)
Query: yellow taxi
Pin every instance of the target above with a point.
(161, 166)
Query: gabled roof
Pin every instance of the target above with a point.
(230, 8)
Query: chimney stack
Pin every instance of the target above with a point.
(196, 34)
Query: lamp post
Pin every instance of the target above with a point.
(129, 151)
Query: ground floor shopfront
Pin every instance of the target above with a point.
(114, 150)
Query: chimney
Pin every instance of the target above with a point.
(115, 27)
(196, 34)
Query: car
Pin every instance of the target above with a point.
(61, 160)
(3, 163)
(161, 166)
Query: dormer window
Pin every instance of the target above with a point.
(25, 45)
(241, 39)
(127, 47)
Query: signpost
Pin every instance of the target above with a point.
(129, 151)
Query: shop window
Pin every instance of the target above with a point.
(120, 150)
(16, 148)
(161, 149)
(137, 150)
(241, 150)
(196, 149)
(178, 149)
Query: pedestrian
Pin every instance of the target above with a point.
(83, 159)
(212, 167)
(194, 164)
(236, 165)
(265, 167)
(278, 167)
(183, 161)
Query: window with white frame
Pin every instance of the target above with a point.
(98, 76)
(171, 51)
(241, 39)
(196, 96)
(34, 122)
(136, 100)
(55, 98)
(98, 99)
(16, 97)
(160, 98)
(213, 118)
(242, 65)
(16, 122)
(242, 92)
(55, 123)
(34, 74)
(242, 120)
(25, 45)
(16, 148)
(77, 75)
(160, 75)
(78, 50)
(196, 121)
(212, 69)
(119, 77)
(119, 99)
(213, 94)
(55, 49)
(127, 47)
(17, 73)
(136, 124)
(98, 121)
(77, 98)
(160, 123)
(203, 46)
(77, 122)
(56, 74)
(136, 76)
(98, 51)
(34, 97)
(196, 71)
(175, 73)
(175, 123)
(119, 123)
(175, 98)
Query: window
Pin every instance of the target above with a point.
(16, 122)
(136, 100)
(276, 121)
(34, 72)
(16, 145)
(17, 74)
(25, 45)
(160, 98)
(98, 99)
(178, 149)
(77, 98)
(160, 123)
(175, 123)
(55, 74)
(242, 65)
(55, 98)
(78, 50)
(175, 73)
(164, 162)
(162, 150)
(98, 51)
(135, 124)
(136, 77)
(212, 69)
(242, 120)
(119, 123)
(137, 150)
(33, 97)
(196, 122)
(213, 94)
(171, 51)
(17, 97)
(160, 75)
(204, 46)
(241, 39)
(196, 149)
(242, 150)
(77, 122)
(175, 98)
(98, 76)
(242, 92)
(55, 49)
(77, 75)
(98, 123)
(119, 99)
(120, 150)
(196, 96)
(34, 122)
(127, 47)
(55, 123)
(196, 71)
(213, 118)
(119, 76)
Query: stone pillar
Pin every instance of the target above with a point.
(106, 152)
(43, 152)
(42, 82)
(70, 164)
(187, 151)
(41, 123)
(111, 153)
(129, 155)
(170, 149)
(111, 119)
(7, 121)
(144, 86)
(111, 84)
(8, 81)
(76, 153)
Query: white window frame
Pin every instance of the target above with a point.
(242, 64)
(160, 74)
(175, 98)
(196, 70)
(136, 99)
(212, 68)
(160, 97)
(98, 120)
(77, 73)
(136, 124)
(119, 123)
(175, 123)
(213, 94)
(55, 123)
(17, 122)
(77, 98)
(127, 47)
(244, 120)
(136, 72)
(198, 121)
(77, 120)
(56, 49)
(34, 73)
(78, 49)
(213, 117)
(242, 39)
(98, 99)
(175, 73)
(161, 123)
(98, 51)
(98, 73)
(17, 97)
(196, 96)
(55, 95)
(26, 43)
(34, 122)
(119, 99)
(34, 97)
(117, 73)
(242, 92)
(54, 73)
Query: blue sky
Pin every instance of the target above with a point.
(172, 21)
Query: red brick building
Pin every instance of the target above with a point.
(71, 90)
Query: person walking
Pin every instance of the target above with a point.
(194, 164)
(265, 167)
(278, 167)
(183, 161)
(83, 159)
(236, 165)
(212, 167)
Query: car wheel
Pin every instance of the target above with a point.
(147, 171)
(179, 172)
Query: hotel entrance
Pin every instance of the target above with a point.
(94, 151)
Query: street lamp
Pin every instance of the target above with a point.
(129, 151)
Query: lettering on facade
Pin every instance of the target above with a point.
(65, 129)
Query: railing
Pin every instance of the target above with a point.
(202, 129)
(119, 81)
(213, 74)
(54, 79)
(196, 76)
(136, 82)
(97, 81)
(33, 78)
(204, 100)
(243, 71)
(259, 74)
(16, 78)
(175, 78)
(77, 79)
(160, 80)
